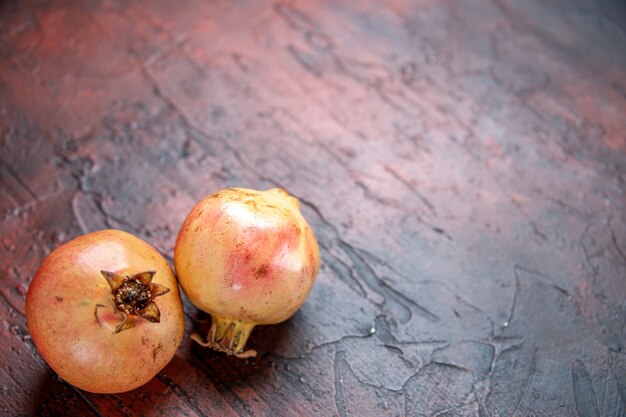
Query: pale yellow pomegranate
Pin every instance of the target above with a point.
(105, 312)
(246, 257)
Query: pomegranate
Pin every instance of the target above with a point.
(104, 312)
(246, 257)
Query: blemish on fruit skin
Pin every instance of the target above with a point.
(156, 350)
(261, 271)
(59, 299)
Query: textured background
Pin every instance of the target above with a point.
(463, 164)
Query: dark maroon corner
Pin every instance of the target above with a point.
(463, 165)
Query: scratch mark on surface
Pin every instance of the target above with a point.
(343, 271)
(411, 187)
(422, 311)
(304, 60)
(531, 372)
(339, 401)
(19, 180)
(514, 302)
(543, 278)
(84, 398)
(181, 393)
(617, 246)
(584, 395)
(294, 18)
(618, 376)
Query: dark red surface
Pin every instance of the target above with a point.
(462, 163)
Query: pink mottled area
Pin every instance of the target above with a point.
(247, 255)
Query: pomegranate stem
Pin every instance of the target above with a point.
(229, 336)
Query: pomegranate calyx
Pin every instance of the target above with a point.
(133, 297)
(157, 290)
(128, 323)
(151, 313)
(228, 336)
(115, 280)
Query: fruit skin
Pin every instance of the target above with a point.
(61, 307)
(247, 256)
